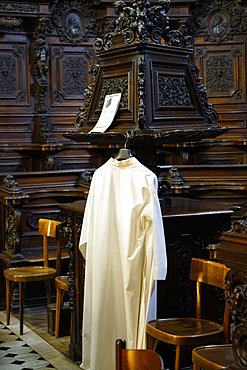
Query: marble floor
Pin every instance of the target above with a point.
(36, 348)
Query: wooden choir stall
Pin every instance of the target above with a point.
(162, 101)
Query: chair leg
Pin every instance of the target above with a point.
(152, 342)
(178, 359)
(195, 367)
(8, 295)
(48, 291)
(21, 300)
(58, 309)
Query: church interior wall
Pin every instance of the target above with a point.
(46, 50)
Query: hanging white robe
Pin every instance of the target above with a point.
(122, 240)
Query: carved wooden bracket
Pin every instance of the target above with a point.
(236, 295)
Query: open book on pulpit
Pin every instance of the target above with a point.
(110, 108)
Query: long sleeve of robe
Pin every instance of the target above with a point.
(122, 240)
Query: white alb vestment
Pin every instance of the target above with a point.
(122, 240)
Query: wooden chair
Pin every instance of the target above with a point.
(61, 282)
(193, 331)
(136, 359)
(26, 274)
(213, 357)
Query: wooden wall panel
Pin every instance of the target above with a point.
(220, 52)
(14, 81)
(223, 71)
(69, 74)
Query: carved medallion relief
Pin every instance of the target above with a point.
(75, 22)
(218, 25)
(217, 21)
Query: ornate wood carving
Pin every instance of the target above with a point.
(210, 113)
(10, 23)
(217, 20)
(68, 234)
(41, 70)
(85, 178)
(183, 248)
(236, 295)
(141, 93)
(41, 64)
(222, 71)
(75, 21)
(13, 78)
(12, 231)
(81, 117)
(47, 162)
(70, 74)
(74, 81)
(8, 78)
(42, 79)
(173, 183)
(173, 91)
(12, 226)
(20, 8)
(144, 28)
(11, 186)
(143, 22)
(113, 87)
(220, 67)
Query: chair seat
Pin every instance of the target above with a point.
(185, 331)
(62, 282)
(213, 357)
(29, 273)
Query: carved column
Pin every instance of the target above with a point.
(236, 294)
(12, 199)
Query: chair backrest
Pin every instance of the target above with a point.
(211, 273)
(51, 228)
(136, 359)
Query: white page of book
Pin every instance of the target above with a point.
(108, 113)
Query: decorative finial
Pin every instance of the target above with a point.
(143, 23)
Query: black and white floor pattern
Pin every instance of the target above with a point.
(28, 351)
(16, 354)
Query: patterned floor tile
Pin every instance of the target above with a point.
(16, 354)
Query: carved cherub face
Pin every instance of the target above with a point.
(118, 6)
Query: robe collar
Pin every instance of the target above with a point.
(122, 164)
